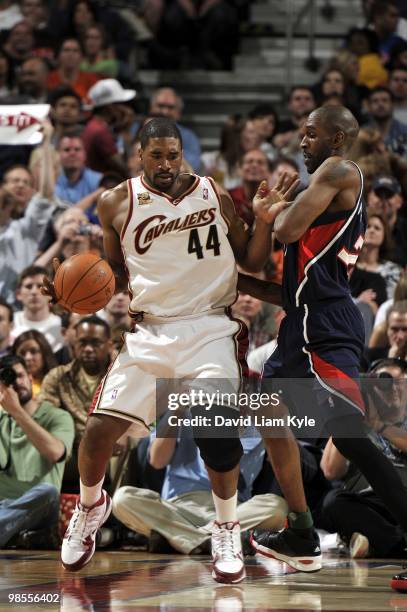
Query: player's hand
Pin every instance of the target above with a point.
(48, 288)
(268, 203)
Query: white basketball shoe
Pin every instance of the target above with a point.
(227, 556)
(79, 540)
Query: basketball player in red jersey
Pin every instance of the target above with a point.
(172, 239)
(322, 337)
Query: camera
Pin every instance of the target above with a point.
(385, 378)
(8, 376)
(85, 229)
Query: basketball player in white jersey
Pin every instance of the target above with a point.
(172, 239)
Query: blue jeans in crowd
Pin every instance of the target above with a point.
(37, 508)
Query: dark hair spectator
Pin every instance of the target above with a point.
(238, 136)
(68, 70)
(98, 57)
(39, 359)
(398, 55)
(377, 252)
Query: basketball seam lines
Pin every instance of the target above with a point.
(79, 280)
(95, 293)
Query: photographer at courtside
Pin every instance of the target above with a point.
(354, 510)
(35, 441)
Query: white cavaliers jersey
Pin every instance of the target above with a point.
(177, 253)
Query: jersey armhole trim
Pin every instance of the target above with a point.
(224, 216)
(129, 210)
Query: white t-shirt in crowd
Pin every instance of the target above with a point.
(50, 327)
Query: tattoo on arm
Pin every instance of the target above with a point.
(335, 172)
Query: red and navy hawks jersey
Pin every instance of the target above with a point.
(318, 265)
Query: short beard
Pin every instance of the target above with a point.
(25, 397)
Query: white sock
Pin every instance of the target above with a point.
(225, 508)
(90, 495)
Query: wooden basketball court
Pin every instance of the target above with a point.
(124, 581)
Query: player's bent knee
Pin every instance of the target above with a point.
(220, 454)
(103, 430)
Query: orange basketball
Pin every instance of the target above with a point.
(84, 283)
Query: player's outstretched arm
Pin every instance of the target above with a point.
(332, 177)
(263, 290)
(252, 249)
(110, 205)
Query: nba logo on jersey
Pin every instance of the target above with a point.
(205, 193)
(114, 394)
(144, 198)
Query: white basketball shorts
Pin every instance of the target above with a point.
(205, 346)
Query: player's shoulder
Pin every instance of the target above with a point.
(114, 195)
(337, 170)
(110, 200)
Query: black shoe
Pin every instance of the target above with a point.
(158, 544)
(301, 553)
(247, 548)
(39, 539)
(399, 582)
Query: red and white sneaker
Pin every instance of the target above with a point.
(227, 556)
(79, 540)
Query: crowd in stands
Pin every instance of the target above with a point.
(77, 56)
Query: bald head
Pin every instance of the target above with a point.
(329, 131)
(337, 119)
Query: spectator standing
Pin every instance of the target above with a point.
(19, 238)
(35, 441)
(36, 313)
